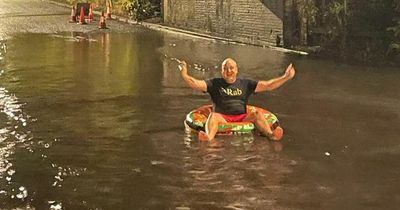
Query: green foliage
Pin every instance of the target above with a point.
(307, 9)
(394, 46)
(335, 18)
(141, 9)
(129, 7)
(337, 14)
(336, 9)
(136, 9)
(396, 18)
(395, 29)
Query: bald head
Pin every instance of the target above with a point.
(229, 61)
(229, 70)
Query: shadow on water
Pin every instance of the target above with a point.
(96, 121)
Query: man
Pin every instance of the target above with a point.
(230, 94)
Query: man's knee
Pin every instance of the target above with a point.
(216, 117)
(254, 115)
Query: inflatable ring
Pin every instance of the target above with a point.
(196, 120)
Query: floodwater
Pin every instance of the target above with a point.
(95, 121)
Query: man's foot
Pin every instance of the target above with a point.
(277, 134)
(203, 136)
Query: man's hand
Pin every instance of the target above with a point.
(290, 71)
(191, 81)
(182, 67)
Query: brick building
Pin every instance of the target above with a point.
(249, 21)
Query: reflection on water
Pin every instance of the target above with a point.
(95, 121)
(237, 172)
(13, 133)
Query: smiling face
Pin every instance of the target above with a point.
(229, 70)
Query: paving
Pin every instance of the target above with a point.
(39, 16)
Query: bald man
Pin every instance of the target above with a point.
(230, 95)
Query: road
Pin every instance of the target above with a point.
(38, 16)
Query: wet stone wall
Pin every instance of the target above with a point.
(249, 21)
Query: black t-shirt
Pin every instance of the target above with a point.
(230, 99)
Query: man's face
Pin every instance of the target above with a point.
(229, 70)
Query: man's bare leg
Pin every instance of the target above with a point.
(262, 125)
(214, 119)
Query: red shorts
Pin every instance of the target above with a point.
(234, 118)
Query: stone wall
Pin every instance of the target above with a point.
(250, 21)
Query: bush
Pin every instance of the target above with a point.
(394, 47)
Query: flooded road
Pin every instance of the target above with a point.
(94, 120)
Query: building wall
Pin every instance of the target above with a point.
(251, 21)
(291, 24)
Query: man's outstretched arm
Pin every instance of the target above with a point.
(194, 83)
(276, 82)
